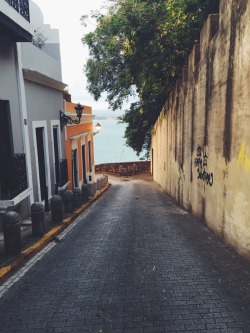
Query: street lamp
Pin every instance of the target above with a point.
(64, 119)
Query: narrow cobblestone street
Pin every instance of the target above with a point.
(132, 263)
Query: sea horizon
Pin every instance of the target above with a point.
(110, 144)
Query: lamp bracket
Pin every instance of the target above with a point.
(64, 119)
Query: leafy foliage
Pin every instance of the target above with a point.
(139, 48)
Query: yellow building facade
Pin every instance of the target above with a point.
(79, 146)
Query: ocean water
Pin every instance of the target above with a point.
(109, 143)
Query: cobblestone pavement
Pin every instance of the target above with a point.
(133, 263)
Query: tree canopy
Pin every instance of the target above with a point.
(139, 49)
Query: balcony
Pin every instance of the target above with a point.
(13, 182)
(13, 178)
(15, 20)
(21, 6)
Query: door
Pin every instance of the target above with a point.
(90, 156)
(6, 146)
(74, 168)
(56, 155)
(84, 173)
(41, 162)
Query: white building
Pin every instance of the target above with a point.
(31, 97)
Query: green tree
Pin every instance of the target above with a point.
(139, 49)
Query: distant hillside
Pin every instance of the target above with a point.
(104, 114)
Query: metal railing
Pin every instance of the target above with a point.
(13, 177)
(63, 172)
(22, 7)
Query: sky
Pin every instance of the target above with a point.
(65, 16)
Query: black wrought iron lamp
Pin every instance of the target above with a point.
(64, 119)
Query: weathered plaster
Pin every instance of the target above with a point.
(201, 140)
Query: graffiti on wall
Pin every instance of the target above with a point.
(200, 162)
(243, 159)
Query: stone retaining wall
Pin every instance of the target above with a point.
(201, 140)
(124, 169)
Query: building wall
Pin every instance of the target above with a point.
(15, 16)
(124, 168)
(14, 28)
(43, 105)
(200, 142)
(52, 44)
(40, 61)
(31, 82)
(9, 89)
(44, 99)
(77, 135)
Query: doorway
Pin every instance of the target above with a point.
(6, 147)
(84, 172)
(74, 168)
(41, 162)
(56, 154)
(90, 156)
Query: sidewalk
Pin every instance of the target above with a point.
(31, 245)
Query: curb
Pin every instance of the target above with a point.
(8, 270)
